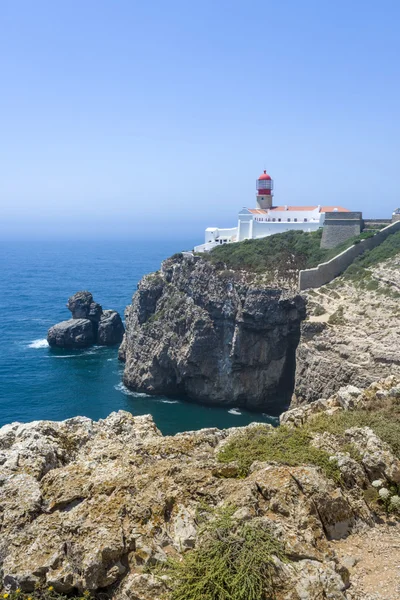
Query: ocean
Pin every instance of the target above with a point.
(36, 382)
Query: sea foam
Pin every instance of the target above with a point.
(39, 344)
(234, 411)
(120, 387)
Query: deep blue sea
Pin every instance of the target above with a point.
(36, 279)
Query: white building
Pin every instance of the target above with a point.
(267, 219)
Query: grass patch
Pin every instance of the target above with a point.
(358, 271)
(318, 310)
(284, 445)
(230, 562)
(45, 593)
(337, 318)
(282, 253)
(385, 422)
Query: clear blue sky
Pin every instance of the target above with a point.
(116, 114)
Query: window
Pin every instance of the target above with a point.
(305, 220)
(288, 219)
(279, 220)
(273, 220)
(295, 220)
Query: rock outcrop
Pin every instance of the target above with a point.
(74, 333)
(89, 325)
(93, 505)
(212, 335)
(351, 334)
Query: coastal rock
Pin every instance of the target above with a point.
(74, 333)
(212, 335)
(92, 505)
(89, 325)
(111, 329)
(355, 339)
(82, 306)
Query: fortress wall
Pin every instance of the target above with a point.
(325, 272)
(339, 227)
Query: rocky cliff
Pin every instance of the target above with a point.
(95, 506)
(212, 335)
(351, 334)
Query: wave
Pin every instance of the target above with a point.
(120, 387)
(65, 355)
(170, 401)
(42, 343)
(234, 411)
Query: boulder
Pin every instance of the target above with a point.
(82, 306)
(110, 330)
(74, 333)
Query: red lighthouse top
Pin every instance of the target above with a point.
(264, 185)
(264, 176)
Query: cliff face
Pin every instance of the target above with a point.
(351, 334)
(212, 335)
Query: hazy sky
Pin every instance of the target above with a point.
(123, 118)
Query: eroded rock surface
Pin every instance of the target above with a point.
(89, 325)
(212, 335)
(74, 333)
(356, 338)
(91, 505)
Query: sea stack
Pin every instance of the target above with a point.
(89, 325)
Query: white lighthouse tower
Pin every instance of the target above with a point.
(264, 186)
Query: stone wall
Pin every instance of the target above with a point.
(325, 272)
(339, 227)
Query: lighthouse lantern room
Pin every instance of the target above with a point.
(264, 186)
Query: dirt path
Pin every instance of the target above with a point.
(373, 560)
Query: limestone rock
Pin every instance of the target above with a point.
(74, 333)
(82, 306)
(357, 349)
(89, 325)
(212, 335)
(111, 329)
(92, 505)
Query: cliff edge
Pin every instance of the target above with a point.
(206, 333)
(351, 335)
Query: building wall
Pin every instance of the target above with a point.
(325, 272)
(339, 227)
(261, 229)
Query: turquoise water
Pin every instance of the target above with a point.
(36, 382)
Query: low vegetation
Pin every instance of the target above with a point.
(284, 445)
(231, 562)
(44, 593)
(285, 253)
(384, 420)
(359, 270)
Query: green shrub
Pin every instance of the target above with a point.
(284, 445)
(230, 562)
(337, 318)
(285, 253)
(385, 422)
(319, 310)
(387, 249)
(44, 593)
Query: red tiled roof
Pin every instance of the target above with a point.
(334, 209)
(323, 209)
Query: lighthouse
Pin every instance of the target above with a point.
(264, 186)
